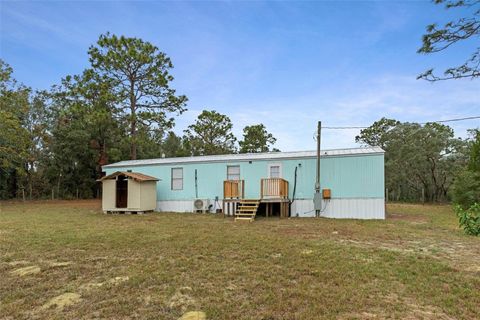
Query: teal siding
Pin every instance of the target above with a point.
(356, 176)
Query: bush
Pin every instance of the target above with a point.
(469, 219)
(466, 189)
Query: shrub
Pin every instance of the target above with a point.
(466, 189)
(469, 219)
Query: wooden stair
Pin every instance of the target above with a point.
(247, 209)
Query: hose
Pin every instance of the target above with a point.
(294, 191)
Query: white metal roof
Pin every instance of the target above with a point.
(248, 157)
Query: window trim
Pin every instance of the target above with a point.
(276, 164)
(239, 172)
(175, 179)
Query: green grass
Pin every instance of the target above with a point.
(415, 264)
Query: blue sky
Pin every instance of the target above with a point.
(284, 64)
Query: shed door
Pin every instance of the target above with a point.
(122, 192)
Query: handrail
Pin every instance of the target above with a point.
(233, 189)
(273, 188)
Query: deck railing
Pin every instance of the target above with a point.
(233, 189)
(273, 188)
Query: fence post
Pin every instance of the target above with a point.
(423, 196)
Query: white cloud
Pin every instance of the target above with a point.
(293, 120)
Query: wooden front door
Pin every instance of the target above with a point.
(122, 192)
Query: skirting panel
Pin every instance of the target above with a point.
(356, 208)
(182, 205)
(175, 206)
(353, 208)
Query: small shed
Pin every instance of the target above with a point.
(129, 192)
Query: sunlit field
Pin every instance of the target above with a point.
(66, 260)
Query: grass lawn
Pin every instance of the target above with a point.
(68, 260)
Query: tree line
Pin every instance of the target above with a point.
(426, 162)
(54, 142)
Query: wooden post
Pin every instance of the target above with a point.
(386, 195)
(261, 188)
(423, 196)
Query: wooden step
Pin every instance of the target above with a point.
(252, 202)
(247, 209)
(245, 219)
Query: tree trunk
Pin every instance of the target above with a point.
(30, 182)
(133, 122)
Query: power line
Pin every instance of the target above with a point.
(458, 119)
(439, 121)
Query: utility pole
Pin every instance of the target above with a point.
(317, 198)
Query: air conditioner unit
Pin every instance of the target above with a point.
(201, 205)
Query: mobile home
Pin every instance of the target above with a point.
(277, 183)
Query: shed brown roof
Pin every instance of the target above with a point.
(134, 175)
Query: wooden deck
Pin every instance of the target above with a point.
(273, 188)
(273, 191)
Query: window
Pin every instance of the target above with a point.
(274, 171)
(233, 172)
(177, 178)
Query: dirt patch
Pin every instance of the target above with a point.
(299, 232)
(91, 285)
(18, 263)
(457, 254)
(417, 310)
(194, 315)
(113, 281)
(26, 271)
(413, 311)
(306, 252)
(54, 264)
(62, 301)
(90, 203)
(118, 280)
(407, 217)
(182, 299)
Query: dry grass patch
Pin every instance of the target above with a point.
(26, 271)
(62, 301)
(194, 315)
